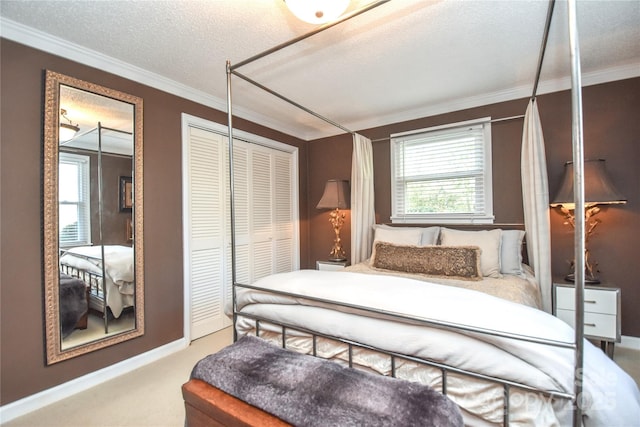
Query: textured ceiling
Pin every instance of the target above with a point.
(402, 60)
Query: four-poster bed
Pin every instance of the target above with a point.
(502, 362)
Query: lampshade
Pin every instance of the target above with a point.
(336, 195)
(317, 11)
(598, 188)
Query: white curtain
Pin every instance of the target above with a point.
(535, 197)
(362, 199)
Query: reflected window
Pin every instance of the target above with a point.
(74, 200)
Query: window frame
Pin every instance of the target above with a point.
(485, 216)
(84, 198)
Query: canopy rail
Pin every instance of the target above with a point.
(320, 29)
(543, 47)
(503, 119)
(295, 104)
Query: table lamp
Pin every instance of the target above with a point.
(336, 196)
(598, 190)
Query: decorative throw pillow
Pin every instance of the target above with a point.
(511, 252)
(487, 240)
(459, 262)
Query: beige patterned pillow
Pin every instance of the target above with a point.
(454, 262)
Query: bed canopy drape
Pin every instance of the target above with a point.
(535, 199)
(534, 178)
(362, 199)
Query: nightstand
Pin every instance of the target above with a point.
(331, 265)
(601, 312)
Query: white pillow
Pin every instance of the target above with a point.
(487, 240)
(511, 252)
(429, 234)
(400, 236)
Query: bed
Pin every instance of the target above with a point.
(467, 327)
(433, 332)
(116, 292)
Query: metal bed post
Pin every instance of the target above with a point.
(232, 203)
(578, 195)
(105, 314)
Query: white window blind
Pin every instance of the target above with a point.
(443, 174)
(74, 220)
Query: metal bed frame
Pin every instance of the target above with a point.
(94, 282)
(579, 239)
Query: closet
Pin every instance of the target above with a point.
(265, 190)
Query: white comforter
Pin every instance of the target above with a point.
(614, 397)
(118, 268)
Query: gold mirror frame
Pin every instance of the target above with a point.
(53, 81)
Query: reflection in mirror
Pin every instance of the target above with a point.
(94, 287)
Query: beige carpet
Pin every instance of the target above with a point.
(151, 395)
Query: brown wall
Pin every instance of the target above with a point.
(611, 127)
(21, 304)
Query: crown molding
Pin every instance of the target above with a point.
(40, 40)
(607, 75)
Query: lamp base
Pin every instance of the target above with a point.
(337, 259)
(589, 280)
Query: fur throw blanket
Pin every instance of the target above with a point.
(73, 303)
(308, 391)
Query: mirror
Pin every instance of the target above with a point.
(93, 223)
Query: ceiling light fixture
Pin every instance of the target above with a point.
(67, 130)
(317, 11)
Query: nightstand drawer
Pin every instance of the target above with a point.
(595, 324)
(595, 300)
(331, 265)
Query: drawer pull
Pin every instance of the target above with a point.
(590, 301)
(593, 325)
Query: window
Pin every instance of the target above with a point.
(442, 174)
(74, 200)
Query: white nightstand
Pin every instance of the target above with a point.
(331, 265)
(601, 312)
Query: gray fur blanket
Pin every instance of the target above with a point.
(73, 303)
(308, 391)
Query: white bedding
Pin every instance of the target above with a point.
(615, 396)
(118, 268)
(523, 289)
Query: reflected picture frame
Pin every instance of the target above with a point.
(126, 194)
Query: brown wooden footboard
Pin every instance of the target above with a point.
(208, 406)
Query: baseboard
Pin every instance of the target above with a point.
(46, 397)
(630, 342)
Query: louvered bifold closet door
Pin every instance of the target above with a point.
(207, 220)
(283, 233)
(261, 213)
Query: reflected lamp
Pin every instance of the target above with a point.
(67, 130)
